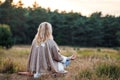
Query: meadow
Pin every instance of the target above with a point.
(90, 64)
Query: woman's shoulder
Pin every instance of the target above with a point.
(34, 41)
(52, 42)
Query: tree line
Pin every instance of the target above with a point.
(69, 28)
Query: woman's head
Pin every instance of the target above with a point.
(44, 32)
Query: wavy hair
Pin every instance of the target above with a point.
(44, 32)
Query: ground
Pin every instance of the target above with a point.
(90, 64)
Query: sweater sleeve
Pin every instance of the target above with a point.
(56, 53)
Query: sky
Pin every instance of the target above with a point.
(85, 7)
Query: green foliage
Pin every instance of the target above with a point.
(110, 70)
(68, 28)
(116, 48)
(118, 37)
(5, 36)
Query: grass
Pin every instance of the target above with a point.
(90, 64)
(110, 70)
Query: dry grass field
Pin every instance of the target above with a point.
(90, 64)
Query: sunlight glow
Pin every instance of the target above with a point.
(85, 7)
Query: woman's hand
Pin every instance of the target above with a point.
(73, 57)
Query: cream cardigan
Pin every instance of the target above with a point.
(46, 58)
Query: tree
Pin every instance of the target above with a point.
(95, 30)
(111, 30)
(5, 36)
(5, 9)
(35, 5)
(118, 37)
(19, 4)
(69, 28)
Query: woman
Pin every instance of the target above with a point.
(45, 55)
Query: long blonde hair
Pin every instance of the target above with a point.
(44, 32)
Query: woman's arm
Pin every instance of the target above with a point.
(56, 54)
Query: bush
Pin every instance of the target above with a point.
(110, 70)
(99, 50)
(116, 48)
(7, 66)
(5, 36)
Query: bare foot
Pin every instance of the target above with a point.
(26, 73)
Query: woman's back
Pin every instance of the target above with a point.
(43, 58)
(45, 55)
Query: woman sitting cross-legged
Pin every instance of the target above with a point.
(45, 55)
